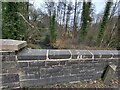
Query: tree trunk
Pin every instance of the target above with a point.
(75, 23)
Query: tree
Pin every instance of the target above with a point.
(118, 44)
(111, 26)
(13, 26)
(104, 22)
(64, 11)
(52, 15)
(75, 21)
(85, 18)
(69, 9)
(52, 29)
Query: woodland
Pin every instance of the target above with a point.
(62, 24)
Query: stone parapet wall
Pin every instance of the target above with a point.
(33, 67)
(42, 67)
(51, 72)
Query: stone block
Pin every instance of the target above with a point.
(32, 54)
(75, 66)
(72, 62)
(11, 86)
(59, 54)
(7, 52)
(86, 56)
(106, 56)
(5, 57)
(78, 53)
(52, 63)
(102, 53)
(96, 56)
(108, 73)
(75, 71)
(54, 70)
(37, 64)
(8, 64)
(10, 70)
(96, 53)
(23, 64)
(32, 83)
(63, 62)
(9, 78)
(56, 74)
(69, 78)
(43, 71)
(116, 55)
(11, 45)
(34, 70)
(8, 57)
(45, 75)
(30, 76)
(66, 71)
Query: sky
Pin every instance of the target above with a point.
(99, 4)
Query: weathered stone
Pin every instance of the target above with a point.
(102, 53)
(86, 56)
(30, 76)
(10, 70)
(32, 54)
(8, 64)
(96, 53)
(115, 53)
(52, 63)
(54, 70)
(11, 45)
(56, 74)
(66, 71)
(9, 78)
(116, 56)
(67, 67)
(10, 86)
(63, 62)
(75, 71)
(8, 57)
(32, 70)
(7, 52)
(37, 64)
(75, 66)
(72, 62)
(43, 71)
(68, 79)
(5, 57)
(23, 64)
(108, 73)
(106, 56)
(34, 83)
(45, 75)
(59, 54)
(78, 53)
(96, 56)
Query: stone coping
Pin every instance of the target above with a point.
(11, 45)
(53, 54)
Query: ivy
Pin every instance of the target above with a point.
(85, 18)
(104, 23)
(13, 27)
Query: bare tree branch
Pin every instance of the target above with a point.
(25, 20)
